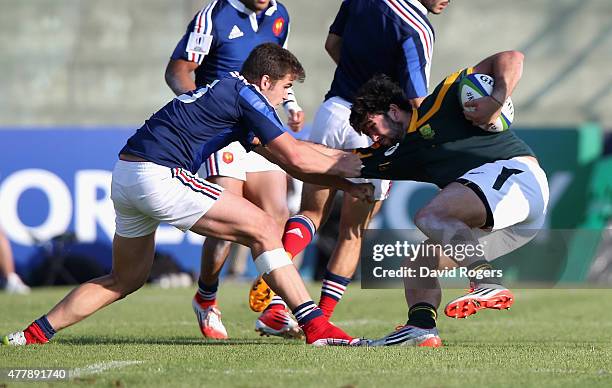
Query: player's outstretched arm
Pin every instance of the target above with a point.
(300, 156)
(363, 191)
(325, 150)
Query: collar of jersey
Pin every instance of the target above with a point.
(418, 6)
(252, 14)
(240, 7)
(262, 95)
(413, 121)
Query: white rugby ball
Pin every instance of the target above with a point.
(475, 86)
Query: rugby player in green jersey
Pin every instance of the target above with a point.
(493, 192)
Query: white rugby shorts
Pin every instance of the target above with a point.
(145, 194)
(331, 128)
(515, 193)
(235, 162)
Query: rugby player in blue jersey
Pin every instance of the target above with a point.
(154, 181)
(493, 196)
(217, 41)
(367, 37)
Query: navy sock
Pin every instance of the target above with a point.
(306, 312)
(208, 292)
(45, 326)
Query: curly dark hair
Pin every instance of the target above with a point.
(374, 98)
(272, 60)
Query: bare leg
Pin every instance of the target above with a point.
(268, 191)
(447, 219)
(354, 219)
(426, 290)
(132, 260)
(235, 219)
(215, 251)
(7, 265)
(316, 203)
(450, 217)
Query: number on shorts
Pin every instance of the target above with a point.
(505, 174)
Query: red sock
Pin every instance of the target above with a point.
(34, 334)
(277, 303)
(327, 305)
(332, 291)
(205, 303)
(320, 328)
(299, 231)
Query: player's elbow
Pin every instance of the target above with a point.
(517, 56)
(514, 57)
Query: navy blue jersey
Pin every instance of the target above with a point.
(221, 36)
(393, 37)
(192, 126)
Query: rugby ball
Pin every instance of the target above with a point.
(475, 86)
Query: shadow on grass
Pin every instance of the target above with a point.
(90, 340)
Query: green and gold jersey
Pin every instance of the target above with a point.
(440, 144)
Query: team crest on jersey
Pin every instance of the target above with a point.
(427, 132)
(278, 25)
(228, 157)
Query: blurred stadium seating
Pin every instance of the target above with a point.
(77, 65)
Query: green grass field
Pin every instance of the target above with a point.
(549, 338)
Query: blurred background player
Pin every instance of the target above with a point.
(9, 280)
(154, 181)
(217, 42)
(367, 37)
(493, 194)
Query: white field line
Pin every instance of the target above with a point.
(101, 367)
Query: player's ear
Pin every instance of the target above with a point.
(265, 82)
(394, 112)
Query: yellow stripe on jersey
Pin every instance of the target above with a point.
(413, 121)
(438, 102)
(360, 155)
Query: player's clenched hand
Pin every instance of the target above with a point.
(347, 165)
(482, 111)
(362, 191)
(295, 120)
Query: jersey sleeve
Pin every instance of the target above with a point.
(258, 116)
(198, 40)
(414, 71)
(337, 27)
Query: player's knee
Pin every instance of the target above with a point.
(280, 214)
(126, 285)
(430, 219)
(265, 233)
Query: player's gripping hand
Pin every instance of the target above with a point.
(482, 111)
(347, 165)
(295, 120)
(362, 191)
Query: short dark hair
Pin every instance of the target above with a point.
(374, 98)
(272, 60)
